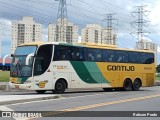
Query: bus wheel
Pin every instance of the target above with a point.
(136, 85)
(60, 86)
(127, 85)
(40, 91)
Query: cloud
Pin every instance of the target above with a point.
(154, 15)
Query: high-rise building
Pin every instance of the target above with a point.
(109, 36)
(70, 32)
(95, 33)
(92, 33)
(146, 44)
(25, 31)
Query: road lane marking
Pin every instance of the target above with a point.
(100, 104)
(4, 108)
(110, 103)
(62, 98)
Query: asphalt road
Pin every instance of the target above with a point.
(147, 99)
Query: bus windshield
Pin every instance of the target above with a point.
(18, 65)
(25, 50)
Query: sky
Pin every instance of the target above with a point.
(82, 12)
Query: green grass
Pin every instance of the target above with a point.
(158, 77)
(4, 76)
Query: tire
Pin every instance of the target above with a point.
(40, 91)
(136, 85)
(127, 85)
(60, 87)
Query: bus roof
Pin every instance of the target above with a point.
(84, 44)
(42, 43)
(32, 43)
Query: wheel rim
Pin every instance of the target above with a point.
(59, 86)
(137, 84)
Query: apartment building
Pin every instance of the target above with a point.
(63, 31)
(109, 36)
(91, 33)
(95, 33)
(25, 31)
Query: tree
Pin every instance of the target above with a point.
(158, 68)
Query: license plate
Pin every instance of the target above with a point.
(16, 86)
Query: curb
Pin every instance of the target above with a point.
(29, 100)
(4, 86)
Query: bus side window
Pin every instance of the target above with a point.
(110, 56)
(81, 54)
(95, 55)
(134, 57)
(122, 56)
(98, 55)
(91, 56)
(76, 54)
(61, 53)
(104, 55)
(148, 58)
(144, 58)
(151, 58)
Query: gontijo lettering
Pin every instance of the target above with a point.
(120, 68)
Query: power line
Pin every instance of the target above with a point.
(140, 23)
(111, 31)
(61, 19)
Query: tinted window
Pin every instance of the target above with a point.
(98, 55)
(147, 58)
(68, 53)
(61, 53)
(104, 55)
(92, 54)
(101, 55)
(141, 58)
(108, 55)
(43, 59)
(76, 53)
(134, 57)
(122, 56)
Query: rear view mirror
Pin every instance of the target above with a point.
(4, 59)
(28, 57)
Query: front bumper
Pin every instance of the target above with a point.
(27, 86)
